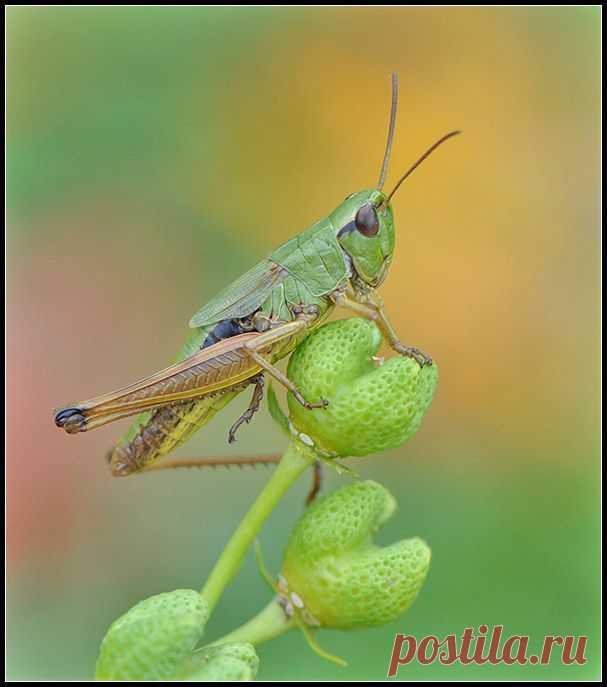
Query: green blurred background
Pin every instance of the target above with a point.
(155, 153)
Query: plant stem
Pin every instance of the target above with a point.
(295, 460)
(269, 623)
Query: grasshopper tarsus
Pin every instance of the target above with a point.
(421, 358)
(248, 414)
(323, 403)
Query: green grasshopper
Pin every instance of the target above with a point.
(254, 322)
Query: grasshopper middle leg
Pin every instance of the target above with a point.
(247, 416)
(273, 336)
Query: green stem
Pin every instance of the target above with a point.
(269, 623)
(295, 460)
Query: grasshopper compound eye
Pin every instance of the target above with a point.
(366, 220)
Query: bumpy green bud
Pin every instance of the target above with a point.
(373, 405)
(151, 640)
(336, 576)
(232, 662)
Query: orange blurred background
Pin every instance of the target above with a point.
(155, 154)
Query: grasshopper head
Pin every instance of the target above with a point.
(366, 234)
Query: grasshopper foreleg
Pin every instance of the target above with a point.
(248, 414)
(373, 310)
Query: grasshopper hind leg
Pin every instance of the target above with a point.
(316, 485)
(157, 433)
(248, 414)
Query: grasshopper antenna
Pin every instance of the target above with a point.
(421, 159)
(384, 166)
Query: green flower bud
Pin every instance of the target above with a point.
(151, 640)
(336, 576)
(232, 662)
(372, 405)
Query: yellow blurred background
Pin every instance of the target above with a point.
(156, 153)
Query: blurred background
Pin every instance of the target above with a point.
(154, 154)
